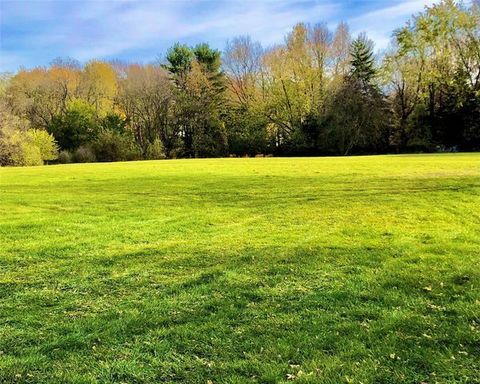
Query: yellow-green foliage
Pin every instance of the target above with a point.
(28, 153)
(271, 270)
(45, 143)
(27, 148)
(20, 145)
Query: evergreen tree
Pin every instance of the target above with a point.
(359, 117)
(179, 63)
(363, 61)
(200, 88)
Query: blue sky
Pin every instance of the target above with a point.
(33, 32)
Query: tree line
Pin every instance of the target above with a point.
(321, 92)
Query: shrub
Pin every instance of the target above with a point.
(176, 149)
(45, 142)
(22, 146)
(114, 146)
(10, 147)
(11, 136)
(29, 155)
(155, 150)
(16, 149)
(65, 157)
(84, 154)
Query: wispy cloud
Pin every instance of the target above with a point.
(379, 23)
(33, 32)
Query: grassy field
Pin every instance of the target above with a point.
(312, 270)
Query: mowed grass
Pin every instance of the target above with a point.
(311, 270)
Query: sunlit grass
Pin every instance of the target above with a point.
(325, 270)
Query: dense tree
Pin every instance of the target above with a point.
(199, 99)
(437, 66)
(31, 95)
(358, 113)
(146, 99)
(98, 86)
(76, 127)
(296, 86)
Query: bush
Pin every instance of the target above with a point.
(22, 146)
(114, 146)
(155, 151)
(65, 157)
(30, 155)
(76, 127)
(12, 130)
(45, 142)
(10, 147)
(84, 154)
(17, 150)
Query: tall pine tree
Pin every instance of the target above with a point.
(359, 115)
(363, 61)
(199, 99)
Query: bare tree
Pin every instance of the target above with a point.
(242, 61)
(145, 96)
(340, 50)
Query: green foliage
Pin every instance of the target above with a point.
(358, 116)
(246, 133)
(363, 61)
(115, 141)
(242, 270)
(18, 149)
(84, 154)
(65, 157)
(358, 119)
(210, 137)
(76, 127)
(114, 122)
(112, 145)
(155, 150)
(179, 59)
(200, 97)
(436, 78)
(210, 58)
(11, 129)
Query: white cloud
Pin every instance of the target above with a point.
(141, 30)
(379, 24)
(148, 23)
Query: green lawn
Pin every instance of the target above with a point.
(311, 270)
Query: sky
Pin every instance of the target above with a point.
(34, 32)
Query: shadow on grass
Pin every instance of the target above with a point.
(248, 315)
